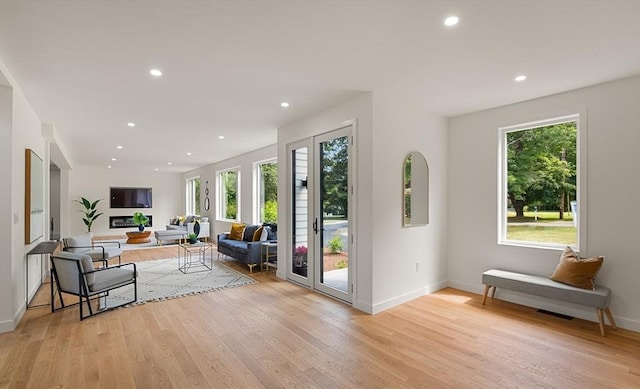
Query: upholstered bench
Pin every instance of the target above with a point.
(169, 235)
(544, 287)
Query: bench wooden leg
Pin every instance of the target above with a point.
(600, 321)
(610, 317)
(493, 292)
(484, 294)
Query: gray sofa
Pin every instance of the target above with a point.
(187, 226)
(246, 250)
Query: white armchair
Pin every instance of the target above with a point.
(102, 251)
(74, 274)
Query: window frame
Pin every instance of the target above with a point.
(191, 197)
(258, 193)
(581, 182)
(221, 194)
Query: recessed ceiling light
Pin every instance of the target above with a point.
(113, 159)
(130, 124)
(156, 169)
(221, 137)
(169, 163)
(284, 104)
(188, 153)
(108, 166)
(155, 72)
(119, 147)
(451, 21)
(521, 77)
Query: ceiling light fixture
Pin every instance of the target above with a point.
(130, 124)
(188, 153)
(451, 21)
(155, 72)
(284, 104)
(169, 163)
(221, 137)
(520, 78)
(119, 147)
(113, 159)
(156, 169)
(108, 166)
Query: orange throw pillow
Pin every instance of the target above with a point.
(575, 271)
(237, 229)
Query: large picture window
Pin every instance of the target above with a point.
(539, 183)
(193, 196)
(228, 194)
(267, 192)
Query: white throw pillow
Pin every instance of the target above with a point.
(84, 242)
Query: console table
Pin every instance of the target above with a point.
(41, 248)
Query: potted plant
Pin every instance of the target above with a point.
(90, 209)
(192, 238)
(300, 260)
(140, 220)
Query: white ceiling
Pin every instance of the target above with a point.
(84, 65)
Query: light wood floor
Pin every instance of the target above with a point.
(275, 334)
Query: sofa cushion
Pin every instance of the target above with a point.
(238, 246)
(249, 231)
(237, 230)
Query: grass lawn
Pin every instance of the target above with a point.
(561, 235)
(543, 216)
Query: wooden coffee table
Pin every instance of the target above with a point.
(138, 237)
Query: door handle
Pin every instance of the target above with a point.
(315, 226)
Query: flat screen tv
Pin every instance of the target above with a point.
(131, 197)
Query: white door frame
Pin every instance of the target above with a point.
(348, 128)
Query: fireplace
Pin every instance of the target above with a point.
(126, 221)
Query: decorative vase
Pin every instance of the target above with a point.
(141, 227)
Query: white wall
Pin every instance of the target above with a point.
(246, 163)
(613, 194)
(6, 217)
(21, 129)
(94, 182)
(389, 126)
(408, 262)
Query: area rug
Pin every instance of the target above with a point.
(139, 246)
(161, 280)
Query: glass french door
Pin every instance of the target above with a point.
(321, 211)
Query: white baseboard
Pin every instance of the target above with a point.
(390, 303)
(362, 306)
(10, 325)
(578, 311)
